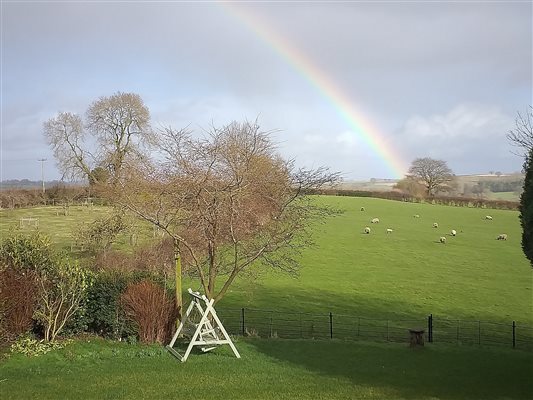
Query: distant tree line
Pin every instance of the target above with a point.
(58, 194)
(502, 186)
(456, 201)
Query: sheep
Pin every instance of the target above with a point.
(435, 225)
(489, 217)
(367, 230)
(442, 239)
(416, 216)
(453, 232)
(375, 221)
(362, 209)
(502, 236)
(389, 230)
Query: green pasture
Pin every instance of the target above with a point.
(407, 273)
(508, 196)
(270, 369)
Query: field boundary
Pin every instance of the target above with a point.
(304, 325)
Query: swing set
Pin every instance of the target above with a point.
(208, 332)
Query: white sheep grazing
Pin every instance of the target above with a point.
(367, 230)
(435, 225)
(442, 239)
(375, 221)
(489, 217)
(416, 216)
(362, 209)
(502, 236)
(453, 232)
(389, 230)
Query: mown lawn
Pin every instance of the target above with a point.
(269, 369)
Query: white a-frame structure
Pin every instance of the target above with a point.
(208, 332)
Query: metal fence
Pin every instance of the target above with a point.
(284, 324)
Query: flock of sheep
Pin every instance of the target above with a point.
(442, 239)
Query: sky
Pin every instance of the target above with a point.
(361, 87)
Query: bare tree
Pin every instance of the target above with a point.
(119, 123)
(433, 174)
(228, 201)
(66, 136)
(115, 128)
(522, 134)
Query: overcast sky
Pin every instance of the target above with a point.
(438, 79)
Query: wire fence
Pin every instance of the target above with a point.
(292, 325)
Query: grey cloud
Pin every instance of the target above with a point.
(197, 63)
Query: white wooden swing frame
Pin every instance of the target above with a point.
(205, 333)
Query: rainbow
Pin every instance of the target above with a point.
(360, 125)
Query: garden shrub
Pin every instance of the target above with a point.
(60, 284)
(104, 315)
(152, 309)
(26, 252)
(62, 289)
(17, 302)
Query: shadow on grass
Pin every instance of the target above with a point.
(439, 370)
(442, 372)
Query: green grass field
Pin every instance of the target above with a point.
(61, 227)
(508, 196)
(408, 272)
(404, 274)
(270, 369)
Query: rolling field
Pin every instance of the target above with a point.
(508, 196)
(407, 273)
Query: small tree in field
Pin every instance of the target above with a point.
(433, 174)
(228, 201)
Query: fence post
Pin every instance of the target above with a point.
(330, 325)
(242, 318)
(430, 328)
(514, 334)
